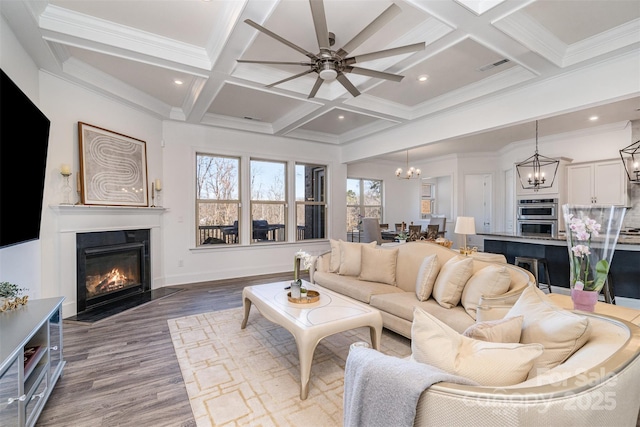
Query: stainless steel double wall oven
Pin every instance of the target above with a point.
(537, 217)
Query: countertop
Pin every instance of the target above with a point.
(625, 241)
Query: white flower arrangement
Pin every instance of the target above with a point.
(301, 261)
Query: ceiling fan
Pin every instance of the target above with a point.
(333, 65)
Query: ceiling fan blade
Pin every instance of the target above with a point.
(316, 86)
(347, 84)
(280, 39)
(320, 23)
(385, 53)
(249, 61)
(373, 73)
(370, 30)
(290, 78)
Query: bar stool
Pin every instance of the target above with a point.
(532, 265)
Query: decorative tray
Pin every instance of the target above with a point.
(312, 296)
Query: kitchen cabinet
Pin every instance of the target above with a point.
(30, 359)
(603, 183)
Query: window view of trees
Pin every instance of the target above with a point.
(219, 195)
(268, 201)
(364, 199)
(217, 199)
(311, 205)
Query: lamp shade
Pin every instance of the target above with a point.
(465, 225)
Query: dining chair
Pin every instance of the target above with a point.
(370, 231)
(398, 226)
(441, 223)
(415, 232)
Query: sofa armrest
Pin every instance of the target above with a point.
(319, 263)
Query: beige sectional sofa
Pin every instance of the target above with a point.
(391, 286)
(576, 368)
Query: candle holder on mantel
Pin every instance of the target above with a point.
(66, 188)
(158, 199)
(155, 193)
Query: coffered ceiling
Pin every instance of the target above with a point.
(134, 51)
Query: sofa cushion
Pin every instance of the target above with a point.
(379, 265)
(451, 280)
(501, 330)
(402, 304)
(334, 263)
(488, 363)
(351, 257)
(489, 281)
(427, 275)
(560, 331)
(353, 287)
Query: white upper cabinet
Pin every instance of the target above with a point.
(602, 183)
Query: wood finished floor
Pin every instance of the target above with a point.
(123, 371)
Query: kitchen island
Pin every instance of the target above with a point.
(625, 266)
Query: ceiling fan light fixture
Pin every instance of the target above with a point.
(327, 71)
(328, 75)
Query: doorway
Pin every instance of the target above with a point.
(477, 202)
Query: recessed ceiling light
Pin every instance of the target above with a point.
(178, 81)
(593, 118)
(423, 78)
(341, 117)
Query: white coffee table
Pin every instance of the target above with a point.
(309, 323)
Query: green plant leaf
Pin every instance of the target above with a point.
(602, 269)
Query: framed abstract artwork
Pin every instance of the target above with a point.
(113, 168)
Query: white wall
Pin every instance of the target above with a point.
(20, 264)
(183, 261)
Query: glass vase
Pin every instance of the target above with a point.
(592, 232)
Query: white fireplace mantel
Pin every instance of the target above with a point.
(73, 219)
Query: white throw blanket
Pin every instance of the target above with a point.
(381, 390)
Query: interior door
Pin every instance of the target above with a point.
(477, 202)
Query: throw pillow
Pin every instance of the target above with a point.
(427, 277)
(501, 330)
(378, 265)
(351, 257)
(451, 280)
(488, 363)
(492, 280)
(334, 262)
(561, 332)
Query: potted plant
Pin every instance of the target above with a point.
(402, 237)
(10, 296)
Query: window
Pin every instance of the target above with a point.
(217, 199)
(268, 201)
(311, 202)
(364, 199)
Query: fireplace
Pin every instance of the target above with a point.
(112, 265)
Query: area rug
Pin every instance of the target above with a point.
(251, 377)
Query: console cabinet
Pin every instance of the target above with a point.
(603, 183)
(31, 359)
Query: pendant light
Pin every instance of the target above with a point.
(537, 171)
(412, 173)
(632, 161)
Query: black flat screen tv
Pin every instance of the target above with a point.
(24, 140)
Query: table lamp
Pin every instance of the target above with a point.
(465, 225)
